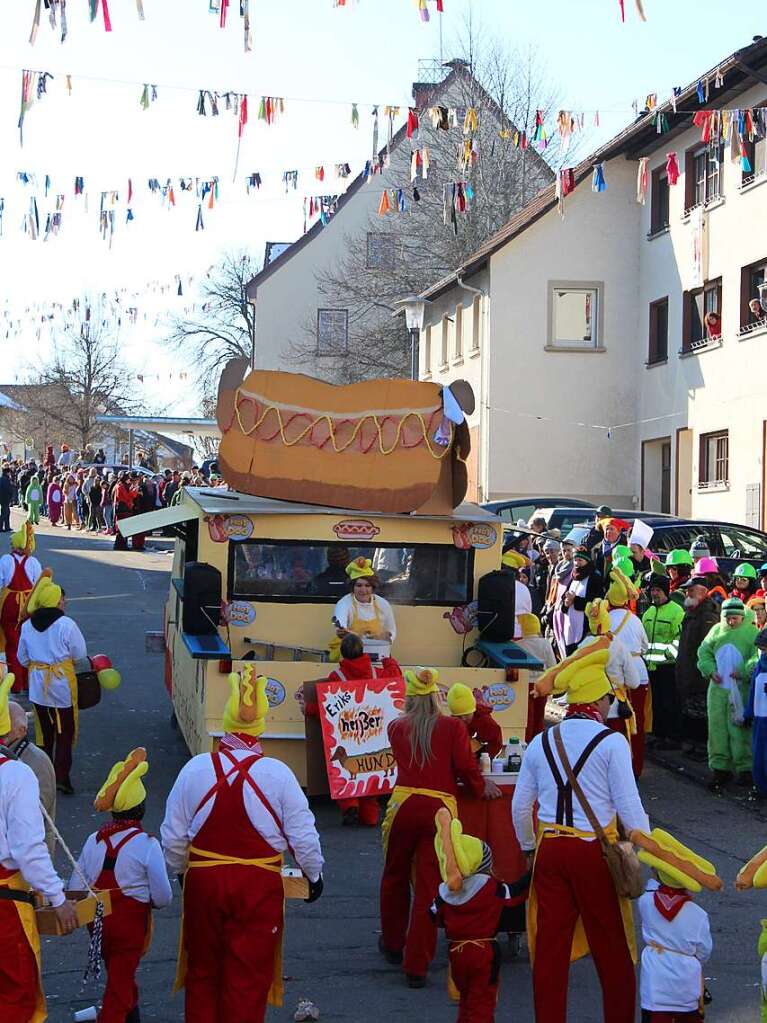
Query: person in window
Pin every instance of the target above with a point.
(363, 611)
(333, 580)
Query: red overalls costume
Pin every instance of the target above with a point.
(21, 993)
(231, 934)
(14, 605)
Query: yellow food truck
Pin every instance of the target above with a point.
(265, 574)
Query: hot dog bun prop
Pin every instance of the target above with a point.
(676, 865)
(378, 445)
(754, 874)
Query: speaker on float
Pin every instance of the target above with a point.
(202, 598)
(496, 606)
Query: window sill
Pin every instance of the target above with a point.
(426, 376)
(753, 330)
(458, 360)
(474, 353)
(656, 362)
(575, 349)
(658, 233)
(717, 487)
(710, 204)
(686, 353)
(443, 367)
(753, 181)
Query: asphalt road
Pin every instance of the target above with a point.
(330, 953)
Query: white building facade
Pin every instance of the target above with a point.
(597, 374)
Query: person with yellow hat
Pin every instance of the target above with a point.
(363, 611)
(235, 812)
(432, 752)
(19, 571)
(574, 907)
(49, 645)
(122, 858)
(627, 627)
(469, 905)
(675, 930)
(514, 561)
(621, 668)
(478, 716)
(25, 864)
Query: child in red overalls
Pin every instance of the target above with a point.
(19, 571)
(122, 858)
(469, 905)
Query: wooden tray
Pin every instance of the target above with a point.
(294, 884)
(47, 921)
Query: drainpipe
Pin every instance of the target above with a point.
(484, 420)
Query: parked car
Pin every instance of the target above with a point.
(512, 510)
(104, 470)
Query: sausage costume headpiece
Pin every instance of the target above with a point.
(513, 559)
(459, 855)
(582, 675)
(460, 700)
(676, 865)
(598, 616)
(621, 589)
(5, 692)
(23, 539)
(360, 568)
(247, 707)
(45, 593)
(529, 624)
(124, 790)
(754, 874)
(421, 682)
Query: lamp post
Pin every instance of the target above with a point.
(414, 309)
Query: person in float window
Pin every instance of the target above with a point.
(478, 718)
(363, 611)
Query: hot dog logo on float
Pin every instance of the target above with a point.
(275, 692)
(500, 695)
(229, 527)
(479, 535)
(356, 529)
(240, 613)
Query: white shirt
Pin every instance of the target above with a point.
(8, 563)
(22, 835)
(278, 784)
(523, 605)
(606, 778)
(670, 981)
(344, 613)
(60, 641)
(633, 637)
(140, 869)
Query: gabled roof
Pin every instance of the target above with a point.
(741, 71)
(427, 96)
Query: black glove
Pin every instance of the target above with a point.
(315, 889)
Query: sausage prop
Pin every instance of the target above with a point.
(443, 843)
(383, 445)
(663, 852)
(754, 874)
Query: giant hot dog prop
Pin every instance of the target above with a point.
(379, 445)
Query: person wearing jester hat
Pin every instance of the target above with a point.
(235, 813)
(469, 904)
(573, 906)
(25, 864)
(19, 571)
(724, 659)
(676, 932)
(363, 611)
(49, 645)
(122, 858)
(626, 627)
(432, 752)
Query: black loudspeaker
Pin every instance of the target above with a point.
(495, 597)
(202, 599)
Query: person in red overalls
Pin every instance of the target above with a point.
(478, 717)
(469, 905)
(19, 571)
(432, 752)
(355, 664)
(235, 812)
(120, 857)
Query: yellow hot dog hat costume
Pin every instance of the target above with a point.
(247, 706)
(677, 866)
(124, 790)
(421, 682)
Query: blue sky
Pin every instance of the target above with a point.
(321, 59)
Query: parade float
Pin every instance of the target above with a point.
(319, 475)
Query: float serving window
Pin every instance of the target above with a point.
(312, 572)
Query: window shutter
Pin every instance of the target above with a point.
(686, 300)
(689, 178)
(655, 202)
(745, 288)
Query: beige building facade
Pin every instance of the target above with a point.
(596, 371)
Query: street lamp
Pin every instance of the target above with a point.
(414, 308)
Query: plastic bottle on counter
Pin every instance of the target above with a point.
(514, 756)
(485, 765)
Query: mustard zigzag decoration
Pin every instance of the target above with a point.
(438, 453)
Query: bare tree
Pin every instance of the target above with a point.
(415, 248)
(225, 327)
(83, 378)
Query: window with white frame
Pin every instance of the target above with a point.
(332, 331)
(574, 315)
(703, 175)
(445, 339)
(458, 344)
(714, 467)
